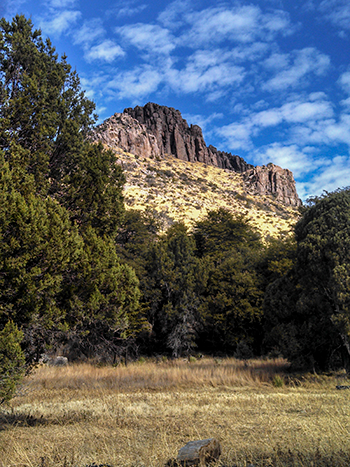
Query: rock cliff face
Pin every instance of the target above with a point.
(272, 180)
(155, 130)
(175, 137)
(124, 132)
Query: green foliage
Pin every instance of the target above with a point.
(38, 245)
(40, 98)
(231, 308)
(231, 300)
(61, 204)
(12, 361)
(171, 290)
(102, 289)
(278, 381)
(323, 258)
(136, 233)
(221, 232)
(94, 192)
(308, 310)
(45, 119)
(277, 259)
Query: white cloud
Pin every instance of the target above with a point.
(237, 135)
(107, 51)
(129, 11)
(9, 8)
(89, 32)
(202, 121)
(328, 131)
(266, 118)
(301, 112)
(60, 22)
(135, 84)
(291, 157)
(346, 102)
(241, 24)
(205, 71)
(249, 52)
(173, 15)
(335, 174)
(304, 63)
(303, 121)
(93, 85)
(62, 3)
(151, 38)
(344, 81)
(339, 132)
(337, 11)
(277, 62)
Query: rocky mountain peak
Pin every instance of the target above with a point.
(185, 142)
(155, 130)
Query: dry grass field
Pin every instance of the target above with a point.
(142, 414)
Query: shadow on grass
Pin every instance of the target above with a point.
(10, 420)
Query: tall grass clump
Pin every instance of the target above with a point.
(161, 375)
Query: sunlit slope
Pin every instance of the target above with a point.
(187, 191)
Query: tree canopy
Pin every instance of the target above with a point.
(311, 303)
(45, 119)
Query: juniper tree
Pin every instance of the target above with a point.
(61, 201)
(45, 118)
(231, 300)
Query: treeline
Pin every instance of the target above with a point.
(77, 270)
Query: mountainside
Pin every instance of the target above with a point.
(170, 169)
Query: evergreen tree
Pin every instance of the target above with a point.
(40, 98)
(311, 303)
(172, 291)
(101, 298)
(221, 232)
(231, 302)
(45, 119)
(38, 244)
(232, 306)
(61, 203)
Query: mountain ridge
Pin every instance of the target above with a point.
(185, 188)
(158, 131)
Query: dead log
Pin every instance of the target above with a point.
(200, 452)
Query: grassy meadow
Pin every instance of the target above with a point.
(142, 414)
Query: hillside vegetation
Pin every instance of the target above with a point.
(188, 191)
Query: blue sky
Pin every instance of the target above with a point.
(268, 80)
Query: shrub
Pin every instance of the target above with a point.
(12, 361)
(278, 381)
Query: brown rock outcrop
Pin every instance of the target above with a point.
(124, 132)
(272, 180)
